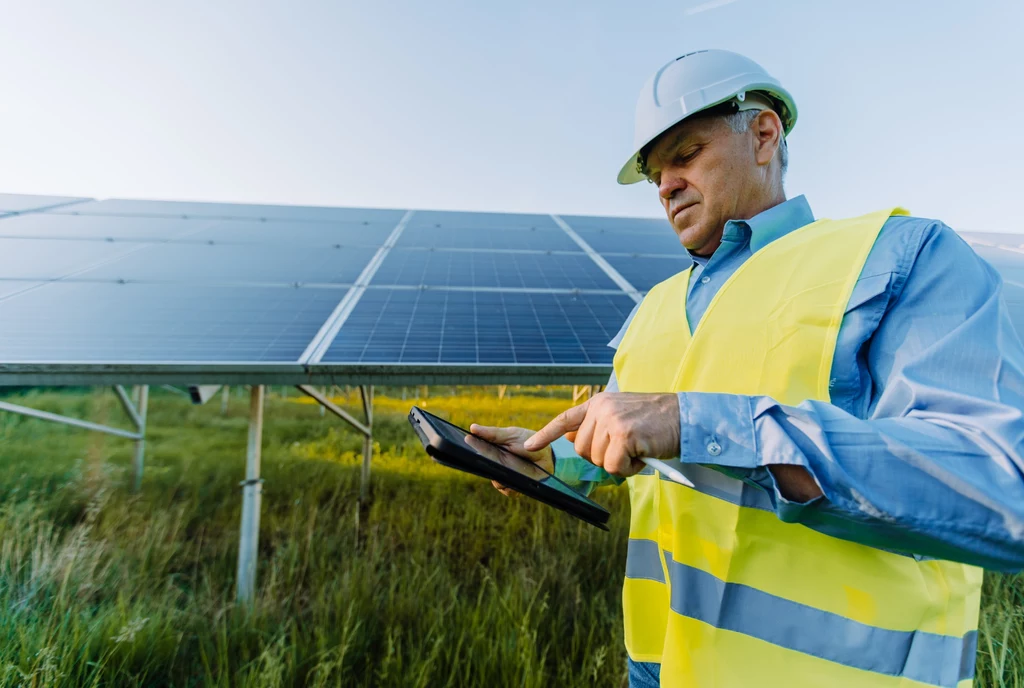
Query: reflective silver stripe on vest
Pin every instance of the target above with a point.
(643, 561)
(930, 658)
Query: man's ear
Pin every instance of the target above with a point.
(767, 128)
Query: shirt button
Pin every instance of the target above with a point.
(705, 279)
(714, 448)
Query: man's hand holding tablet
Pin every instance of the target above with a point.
(511, 439)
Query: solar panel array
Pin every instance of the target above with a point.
(151, 282)
(155, 283)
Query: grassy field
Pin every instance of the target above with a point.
(444, 583)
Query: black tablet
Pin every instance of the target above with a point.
(446, 444)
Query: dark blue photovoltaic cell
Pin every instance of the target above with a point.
(439, 326)
(235, 263)
(19, 203)
(53, 226)
(125, 323)
(233, 210)
(42, 259)
(478, 269)
(622, 225)
(323, 234)
(643, 273)
(444, 219)
(664, 244)
(490, 238)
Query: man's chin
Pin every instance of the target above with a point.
(689, 238)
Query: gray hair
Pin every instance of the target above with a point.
(741, 121)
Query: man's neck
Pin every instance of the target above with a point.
(756, 209)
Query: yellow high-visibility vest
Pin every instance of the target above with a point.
(718, 589)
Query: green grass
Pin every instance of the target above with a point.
(443, 583)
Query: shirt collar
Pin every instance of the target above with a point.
(774, 223)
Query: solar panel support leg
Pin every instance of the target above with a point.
(225, 397)
(252, 495)
(366, 392)
(140, 444)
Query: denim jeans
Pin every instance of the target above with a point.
(644, 674)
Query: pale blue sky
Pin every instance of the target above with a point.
(502, 106)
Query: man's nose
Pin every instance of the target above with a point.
(669, 184)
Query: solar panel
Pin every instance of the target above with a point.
(491, 270)
(662, 244)
(10, 287)
(995, 238)
(621, 225)
(124, 323)
(236, 263)
(287, 232)
(233, 211)
(444, 326)
(448, 219)
(491, 238)
(644, 272)
(40, 259)
(57, 226)
(20, 203)
(196, 285)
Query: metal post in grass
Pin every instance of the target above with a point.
(252, 493)
(225, 397)
(140, 443)
(366, 392)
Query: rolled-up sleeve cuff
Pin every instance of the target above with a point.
(717, 430)
(575, 471)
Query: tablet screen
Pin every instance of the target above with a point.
(457, 435)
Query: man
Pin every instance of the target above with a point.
(845, 397)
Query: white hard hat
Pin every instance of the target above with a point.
(695, 82)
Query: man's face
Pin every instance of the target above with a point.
(706, 174)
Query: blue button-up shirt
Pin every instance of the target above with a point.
(921, 448)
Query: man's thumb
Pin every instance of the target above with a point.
(489, 433)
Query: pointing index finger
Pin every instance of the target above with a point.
(566, 421)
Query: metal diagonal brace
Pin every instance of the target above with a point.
(136, 413)
(64, 420)
(326, 403)
(365, 429)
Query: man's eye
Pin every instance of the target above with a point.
(683, 158)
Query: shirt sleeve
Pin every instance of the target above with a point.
(937, 467)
